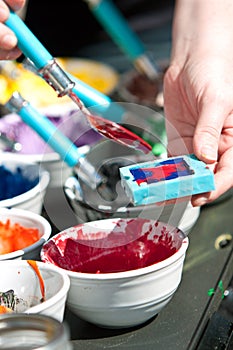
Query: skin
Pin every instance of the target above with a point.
(8, 41)
(198, 89)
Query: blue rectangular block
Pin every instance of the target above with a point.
(164, 179)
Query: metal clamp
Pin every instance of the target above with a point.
(16, 102)
(55, 76)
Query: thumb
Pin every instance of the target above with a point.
(207, 133)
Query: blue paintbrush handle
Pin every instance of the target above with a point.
(117, 27)
(45, 129)
(37, 53)
(50, 134)
(56, 139)
(27, 42)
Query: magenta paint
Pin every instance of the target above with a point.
(124, 248)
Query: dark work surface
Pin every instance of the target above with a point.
(181, 324)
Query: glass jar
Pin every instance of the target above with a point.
(33, 332)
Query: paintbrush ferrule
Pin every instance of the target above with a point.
(55, 76)
(145, 66)
(16, 102)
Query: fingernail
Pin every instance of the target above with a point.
(199, 201)
(209, 152)
(9, 41)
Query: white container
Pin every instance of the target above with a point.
(19, 276)
(119, 299)
(32, 199)
(27, 219)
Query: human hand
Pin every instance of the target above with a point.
(8, 40)
(198, 96)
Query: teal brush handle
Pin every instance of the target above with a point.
(127, 40)
(40, 57)
(57, 141)
(117, 27)
(46, 129)
(27, 42)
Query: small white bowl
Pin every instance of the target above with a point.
(118, 299)
(33, 198)
(26, 219)
(21, 278)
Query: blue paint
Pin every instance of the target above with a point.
(13, 184)
(165, 170)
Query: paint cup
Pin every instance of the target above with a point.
(137, 88)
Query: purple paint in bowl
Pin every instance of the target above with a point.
(68, 120)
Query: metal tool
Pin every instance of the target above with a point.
(121, 33)
(57, 78)
(99, 102)
(7, 144)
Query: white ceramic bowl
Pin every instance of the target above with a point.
(21, 278)
(26, 219)
(32, 175)
(135, 293)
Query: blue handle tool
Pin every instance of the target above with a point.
(121, 33)
(56, 139)
(41, 59)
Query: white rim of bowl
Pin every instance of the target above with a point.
(124, 274)
(39, 158)
(44, 178)
(59, 295)
(21, 213)
(13, 255)
(51, 157)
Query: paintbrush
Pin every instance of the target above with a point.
(67, 150)
(57, 78)
(121, 33)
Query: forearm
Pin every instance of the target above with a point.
(202, 27)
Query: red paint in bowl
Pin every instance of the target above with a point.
(114, 245)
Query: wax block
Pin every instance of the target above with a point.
(165, 179)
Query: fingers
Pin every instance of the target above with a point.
(208, 129)
(8, 40)
(15, 4)
(223, 179)
(10, 55)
